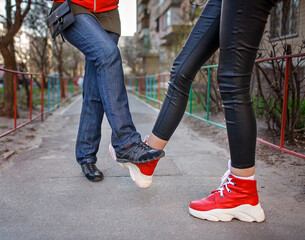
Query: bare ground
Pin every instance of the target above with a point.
(290, 168)
(28, 137)
(287, 166)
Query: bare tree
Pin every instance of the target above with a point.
(66, 60)
(15, 15)
(270, 78)
(73, 58)
(38, 34)
(129, 52)
(58, 49)
(190, 13)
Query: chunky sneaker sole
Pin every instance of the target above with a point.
(236, 197)
(246, 213)
(141, 180)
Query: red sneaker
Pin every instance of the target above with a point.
(140, 173)
(234, 198)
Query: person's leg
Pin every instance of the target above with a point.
(200, 45)
(104, 67)
(202, 42)
(241, 28)
(89, 132)
(95, 43)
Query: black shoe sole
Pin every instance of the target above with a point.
(95, 179)
(122, 160)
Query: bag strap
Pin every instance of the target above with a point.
(69, 2)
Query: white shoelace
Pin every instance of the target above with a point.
(225, 181)
(146, 139)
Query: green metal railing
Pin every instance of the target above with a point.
(49, 98)
(54, 94)
(156, 93)
(190, 113)
(152, 82)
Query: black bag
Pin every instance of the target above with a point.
(61, 18)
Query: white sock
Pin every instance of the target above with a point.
(244, 178)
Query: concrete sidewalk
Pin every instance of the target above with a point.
(43, 194)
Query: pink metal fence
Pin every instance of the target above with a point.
(31, 118)
(285, 103)
(132, 81)
(63, 82)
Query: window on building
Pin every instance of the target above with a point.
(167, 18)
(158, 25)
(284, 20)
(161, 23)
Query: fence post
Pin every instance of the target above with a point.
(285, 100)
(150, 87)
(49, 90)
(146, 87)
(139, 84)
(154, 87)
(15, 101)
(164, 77)
(208, 94)
(67, 88)
(191, 99)
(130, 82)
(58, 89)
(31, 96)
(159, 85)
(71, 85)
(53, 86)
(42, 94)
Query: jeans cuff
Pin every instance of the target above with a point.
(86, 160)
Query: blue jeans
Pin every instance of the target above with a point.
(103, 89)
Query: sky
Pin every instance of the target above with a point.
(127, 10)
(2, 7)
(128, 14)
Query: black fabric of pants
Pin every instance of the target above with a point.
(236, 27)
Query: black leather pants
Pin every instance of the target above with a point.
(236, 27)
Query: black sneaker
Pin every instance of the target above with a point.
(91, 172)
(138, 152)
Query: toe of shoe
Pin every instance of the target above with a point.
(143, 181)
(199, 205)
(95, 177)
(159, 153)
(143, 185)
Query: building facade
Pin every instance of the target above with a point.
(163, 26)
(285, 30)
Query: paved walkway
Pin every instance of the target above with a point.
(43, 194)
